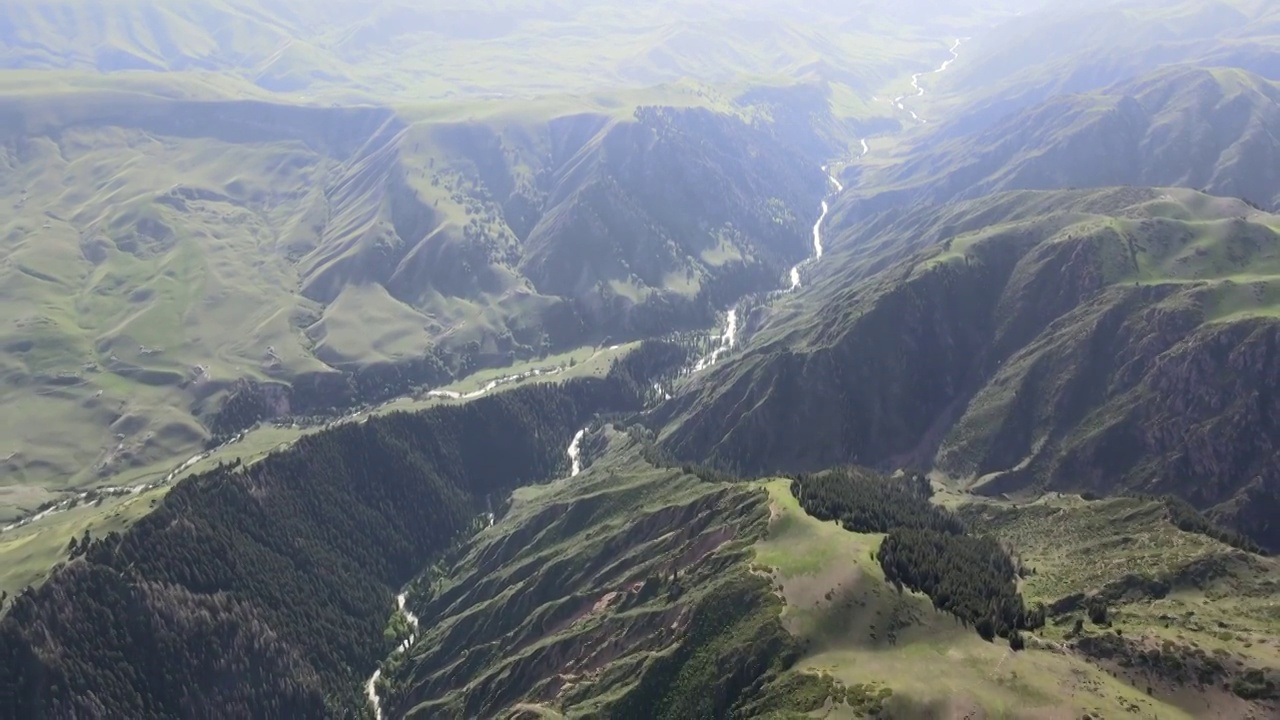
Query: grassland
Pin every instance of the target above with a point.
(116, 289)
(322, 50)
(1214, 599)
(859, 630)
(28, 554)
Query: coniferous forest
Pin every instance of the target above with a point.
(263, 590)
(926, 549)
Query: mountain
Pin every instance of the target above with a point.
(453, 50)
(288, 565)
(1060, 50)
(1111, 340)
(162, 252)
(472, 318)
(1209, 128)
(630, 589)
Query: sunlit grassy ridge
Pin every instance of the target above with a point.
(160, 248)
(861, 631)
(489, 49)
(1183, 593)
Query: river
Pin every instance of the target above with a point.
(371, 687)
(898, 102)
(729, 335)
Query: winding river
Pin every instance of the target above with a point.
(371, 687)
(817, 228)
(729, 335)
(915, 81)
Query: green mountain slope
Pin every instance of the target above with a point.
(604, 593)
(1007, 449)
(292, 561)
(158, 252)
(1109, 340)
(629, 590)
(453, 49)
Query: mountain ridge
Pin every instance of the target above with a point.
(1129, 304)
(275, 228)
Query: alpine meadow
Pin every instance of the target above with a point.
(681, 360)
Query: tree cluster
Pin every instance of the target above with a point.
(1188, 519)
(867, 502)
(654, 361)
(927, 548)
(972, 578)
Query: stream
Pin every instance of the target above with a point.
(358, 416)
(915, 81)
(371, 687)
(729, 335)
(817, 232)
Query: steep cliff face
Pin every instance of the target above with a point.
(1129, 351)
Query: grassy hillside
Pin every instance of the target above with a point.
(622, 591)
(866, 635)
(1105, 340)
(1187, 617)
(451, 50)
(160, 252)
(569, 606)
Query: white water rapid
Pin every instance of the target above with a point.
(575, 453)
(817, 229)
(727, 340)
(729, 336)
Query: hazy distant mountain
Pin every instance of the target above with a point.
(1215, 129)
(1084, 47)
